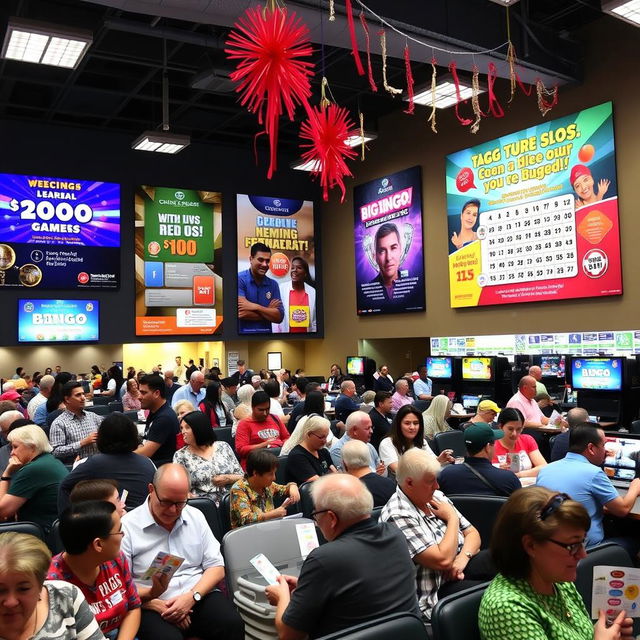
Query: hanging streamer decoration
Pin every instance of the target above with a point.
(494, 106)
(475, 102)
(543, 104)
(432, 116)
(332, 11)
(454, 72)
(383, 45)
(355, 52)
(362, 142)
(410, 82)
(365, 28)
(272, 74)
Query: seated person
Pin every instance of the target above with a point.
(91, 535)
(477, 476)
(435, 416)
(560, 445)
(537, 542)
(401, 396)
(516, 450)
(104, 489)
(486, 412)
(347, 402)
(380, 417)
(382, 380)
(309, 459)
(356, 461)
(252, 497)
(546, 404)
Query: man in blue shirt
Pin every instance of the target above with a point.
(259, 303)
(192, 391)
(345, 403)
(579, 474)
(423, 386)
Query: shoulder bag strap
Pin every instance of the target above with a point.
(486, 481)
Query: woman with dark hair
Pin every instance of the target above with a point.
(213, 407)
(336, 377)
(117, 441)
(131, 399)
(299, 300)
(538, 540)
(517, 451)
(252, 496)
(114, 382)
(210, 463)
(91, 535)
(407, 431)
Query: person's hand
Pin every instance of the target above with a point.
(159, 606)
(294, 494)
(221, 480)
(446, 457)
(178, 607)
(456, 572)
(12, 466)
(621, 627)
(275, 303)
(90, 439)
(159, 584)
(603, 187)
(185, 623)
(286, 584)
(279, 512)
(455, 241)
(381, 468)
(267, 442)
(244, 307)
(443, 510)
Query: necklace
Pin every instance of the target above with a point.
(559, 602)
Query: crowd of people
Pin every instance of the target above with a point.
(118, 486)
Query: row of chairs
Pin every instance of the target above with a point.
(105, 408)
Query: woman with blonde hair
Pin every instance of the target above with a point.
(435, 416)
(35, 609)
(309, 458)
(182, 408)
(243, 410)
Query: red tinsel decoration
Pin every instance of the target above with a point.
(355, 52)
(365, 28)
(454, 72)
(494, 106)
(410, 81)
(326, 131)
(270, 45)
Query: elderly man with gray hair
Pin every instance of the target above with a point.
(358, 427)
(46, 384)
(441, 541)
(362, 573)
(356, 461)
(401, 396)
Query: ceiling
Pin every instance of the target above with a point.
(118, 85)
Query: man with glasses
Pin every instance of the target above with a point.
(191, 605)
(361, 574)
(358, 427)
(580, 475)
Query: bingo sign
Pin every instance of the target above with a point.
(47, 321)
(178, 266)
(59, 233)
(534, 215)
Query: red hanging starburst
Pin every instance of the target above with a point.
(271, 74)
(326, 131)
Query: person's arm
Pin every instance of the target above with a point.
(280, 595)
(621, 506)
(61, 449)
(440, 556)
(242, 441)
(471, 546)
(243, 510)
(148, 449)
(537, 461)
(180, 606)
(254, 311)
(130, 624)
(9, 504)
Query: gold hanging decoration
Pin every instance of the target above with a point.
(332, 11)
(383, 45)
(432, 117)
(475, 102)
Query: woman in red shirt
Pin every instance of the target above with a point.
(298, 300)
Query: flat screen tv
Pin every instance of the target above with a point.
(355, 365)
(58, 321)
(552, 366)
(475, 368)
(441, 367)
(597, 374)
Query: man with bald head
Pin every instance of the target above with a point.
(401, 395)
(524, 400)
(358, 427)
(560, 446)
(536, 373)
(193, 391)
(362, 573)
(191, 605)
(346, 402)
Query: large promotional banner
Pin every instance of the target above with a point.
(388, 244)
(58, 320)
(276, 285)
(534, 215)
(58, 233)
(178, 262)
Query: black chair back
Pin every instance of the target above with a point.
(456, 616)
(481, 512)
(116, 405)
(23, 526)
(281, 471)
(421, 405)
(396, 625)
(450, 440)
(53, 539)
(101, 400)
(306, 501)
(224, 513)
(210, 512)
(132, 415)
(99, 409)
(224, 434)
(635, 427)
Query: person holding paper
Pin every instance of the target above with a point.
(538, 540)
(362, 573)
(192, 605)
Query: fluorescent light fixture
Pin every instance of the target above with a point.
(354, 141)
(42, 43)
(627, 10)
(306, 165)
(505, 3)
(160, 142)
(445, 93)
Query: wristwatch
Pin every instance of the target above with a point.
(197, 596)
(468, 554)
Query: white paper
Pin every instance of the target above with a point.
(265, 568)
(163, 563)
(555, 418)
(307, 538)
(614, 589)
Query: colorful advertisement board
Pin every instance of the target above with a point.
(58, 320)
(59, 233)
(178, 261)
(476, 369)
(388, 244)
(533, 215)
(439, 367)
(603, 374)
(277, 291)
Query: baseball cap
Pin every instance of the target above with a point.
(481, 434)
(12, 395)
(577, 172)
(488, 405)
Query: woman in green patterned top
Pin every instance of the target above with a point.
(537, 541)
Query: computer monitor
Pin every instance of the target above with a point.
(476, 368)
(597, 374)
(552, 366)
(441, 367)
(626, 451)
(355, 365)
(470, 402)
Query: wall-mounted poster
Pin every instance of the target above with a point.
(59, 233)
(534, 215)
(276, 266)
(178, 262)
(58, 321)
(388, 244)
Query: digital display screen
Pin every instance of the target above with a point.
(621, 465)
(355, 366)
(552, 366)
(470, 402)
(47, 321)
(439, 367)
(601, 374)
(477, 368)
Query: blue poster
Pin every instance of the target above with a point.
(58, 320)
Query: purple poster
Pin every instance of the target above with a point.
(388, 244)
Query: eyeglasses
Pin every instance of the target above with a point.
(571, 548)
(553, 505)
(180, 504)
(117, 533)
(315, 514)
(322, 437)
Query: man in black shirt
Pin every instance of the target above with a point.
(379, 415)
(356, 462)
(345, 402)
(162, 423)
(463, 478)
(171, 386)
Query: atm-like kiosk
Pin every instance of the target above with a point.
(440, 370)
(485, 377)
(553, 373)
